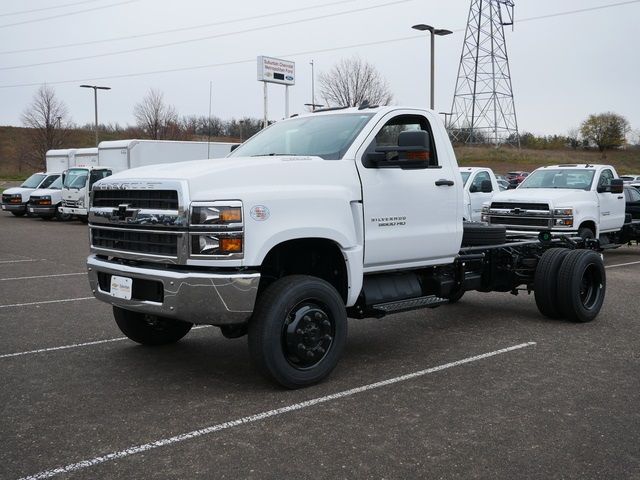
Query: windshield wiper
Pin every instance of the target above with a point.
(275, 155)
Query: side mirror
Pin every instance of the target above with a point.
(486, 187)
(617, 186)
(413, 151)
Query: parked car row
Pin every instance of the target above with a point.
(62, 191)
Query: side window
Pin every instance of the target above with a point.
(48, 181)
(480, 177)
(632, 195)
(389, 134)
(605, 178)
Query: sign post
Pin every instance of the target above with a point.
(275, 70)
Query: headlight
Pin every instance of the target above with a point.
(217, 229)
(216, 215)
(45, 200)
(563, 212)
(80, 202)
(485, 209)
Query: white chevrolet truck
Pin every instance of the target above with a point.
(479, 186)
(586, 200)
(339, 213)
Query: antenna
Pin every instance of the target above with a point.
(483, 108)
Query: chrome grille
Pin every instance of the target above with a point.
(521, 206)
(138, 241)
(147, 199)
(70, 203)
(517, 221)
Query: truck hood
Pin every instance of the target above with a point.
(25, 192)
(229, 177)
(47, 191)
(554, 196)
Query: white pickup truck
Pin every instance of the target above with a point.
(340, 213)
(586, 200)
(480, 185)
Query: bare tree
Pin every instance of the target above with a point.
(154, 116)
(48, 123)
(574, 138)
(353, 81)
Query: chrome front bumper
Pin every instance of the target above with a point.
(206, 298)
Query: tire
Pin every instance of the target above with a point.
(586, 233)
(477, 234)
(150, 329)
(582, 285)
(46, 218)
(19, 214)
(298, 331)
(62, 217)
(545, 282)
(83, 218)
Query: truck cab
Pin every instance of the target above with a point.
(15, 199)
(572, 199)
(76, 188)
(480, 184)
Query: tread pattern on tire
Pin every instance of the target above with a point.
(570, 306)
(476, 234)
(545, 282)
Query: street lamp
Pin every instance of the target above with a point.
(95, 102)
(434, 31)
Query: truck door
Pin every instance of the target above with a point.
(611, 205)
(412, 216)
(477, 196)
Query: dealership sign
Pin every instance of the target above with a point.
(274, 70)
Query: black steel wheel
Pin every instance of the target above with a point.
(582, 285)
(150, 329)
(19, 214)
(545, 282)
(298, 330)
(586, 233)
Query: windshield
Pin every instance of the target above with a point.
(569, 178)
(76, 178)
(325, 136)
(57, 185)
(33, 181)
(465, 177)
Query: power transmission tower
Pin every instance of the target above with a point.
(483, 108)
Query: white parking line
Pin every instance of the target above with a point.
(261, 416)
(622, 265)
(19, 261)
(42, 276)
(78, 345)
(47, 301)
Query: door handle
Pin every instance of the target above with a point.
(444, 183)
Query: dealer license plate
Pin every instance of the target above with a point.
(121, 287)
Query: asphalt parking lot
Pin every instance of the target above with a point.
(486, 388)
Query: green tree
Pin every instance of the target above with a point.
(605, 131)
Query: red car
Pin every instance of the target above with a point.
(516, 178)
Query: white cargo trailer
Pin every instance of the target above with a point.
(59, 160)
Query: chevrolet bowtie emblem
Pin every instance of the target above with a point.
(123, 212)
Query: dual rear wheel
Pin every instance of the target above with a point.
(570, 284)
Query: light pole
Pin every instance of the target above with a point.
(434, 31)
(95, 102)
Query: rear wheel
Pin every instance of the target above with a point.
(545, 282)
(298, 331)
(150, 329)
(581, 285)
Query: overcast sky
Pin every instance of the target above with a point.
(563, 67)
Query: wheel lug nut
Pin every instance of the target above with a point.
(328, 338)
(306, 318)
(318, 315)
(310, 354)
(321, 350)
(301, 347)
(299, 331)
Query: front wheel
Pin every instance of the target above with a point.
(298, 331)
(83, 218)
(19, 214)
(150, 329)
